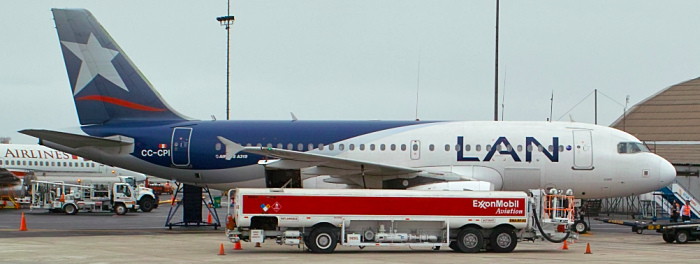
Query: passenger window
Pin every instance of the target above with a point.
(393, 147)
(499, 147)
(447, 147)
(468, 147)
(403, 147)
(330, 147)
(352, 147)
(488, 147)
(561, 148)
(520, 148)
(431, 147)
(371, 147)
(320, 146)
(539, 148)
(550, 148)
(458, 147)
(362, 147)
(311, 146)
(529, 148)
(258, 145)
(12, 162)
(24, 163)
(300, 147)
(269, 145)
(279, 145)
(341, 147)
(248, 145)
(478, 147)
(64, 164)
(382, 147)
(509, 148)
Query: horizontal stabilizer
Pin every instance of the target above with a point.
(75, 141)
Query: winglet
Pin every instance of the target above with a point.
(294, 118)
(231, 147)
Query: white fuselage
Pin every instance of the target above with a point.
(587, 160)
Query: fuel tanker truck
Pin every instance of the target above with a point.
(465, 221)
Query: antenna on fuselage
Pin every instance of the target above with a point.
(503, 100)
(551, 106)
(418, 84)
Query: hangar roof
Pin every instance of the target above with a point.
(669, 122)
(673, 114)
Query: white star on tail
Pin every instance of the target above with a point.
(96, 60)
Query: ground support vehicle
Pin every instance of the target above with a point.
(680, 232)
(70, 198)
(465, 221)
(637, 227)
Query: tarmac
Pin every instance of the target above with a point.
(141, 237)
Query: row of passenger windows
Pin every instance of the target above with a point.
(403, 147)
(46, 164)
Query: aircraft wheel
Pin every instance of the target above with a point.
(580, 227)
(470, 240)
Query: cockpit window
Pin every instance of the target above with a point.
(631, 147)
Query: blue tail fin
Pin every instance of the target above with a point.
(106, 85)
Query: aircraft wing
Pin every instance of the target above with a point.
(7, 177)
(289, 159)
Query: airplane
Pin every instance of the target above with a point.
(19, 164)
(126, 123)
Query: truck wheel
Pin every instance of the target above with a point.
(120, 209)
(70, 209)
(682, 236)
(580, 227)
(147, 204)
(453, 246)
(470, 240)
(503, 239)
(323, 240)
(668, 238)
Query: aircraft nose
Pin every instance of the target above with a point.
(667, 173)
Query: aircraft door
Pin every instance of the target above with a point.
(583, 150)
(180, 146)
(415, 149)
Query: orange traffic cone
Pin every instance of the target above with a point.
(23, 224)
(565, 246)
(209, 218)
(588, 249)
(63, 198)
(221, 249)
(257, 244)
(237, 246)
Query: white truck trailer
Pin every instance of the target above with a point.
(119, 197)
(465, 221)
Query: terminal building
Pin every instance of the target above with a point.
(668, 122)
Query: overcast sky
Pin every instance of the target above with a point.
(359, 60)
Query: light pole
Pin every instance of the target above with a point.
(227, 21)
